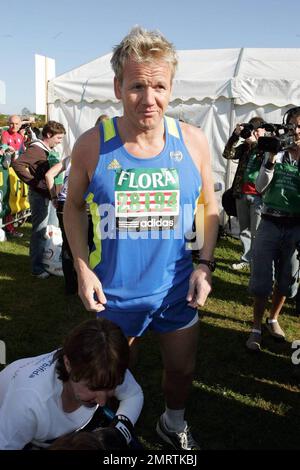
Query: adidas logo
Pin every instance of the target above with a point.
(113, 165)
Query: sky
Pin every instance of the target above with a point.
(74, 32)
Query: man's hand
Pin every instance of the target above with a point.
(124, 427)
(4, 148)
(272, 157)
(90, 291)
(54, 201)
(297, 141)
(200, 286)
(238, 129)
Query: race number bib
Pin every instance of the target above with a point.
(146, 199)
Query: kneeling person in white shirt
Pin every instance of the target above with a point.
(47, 396)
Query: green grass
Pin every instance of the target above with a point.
(238, 400)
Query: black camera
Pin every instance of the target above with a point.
(25, 126)
(281, 137)
(247, 130)
(7, 157)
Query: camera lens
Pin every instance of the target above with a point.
(246, 133)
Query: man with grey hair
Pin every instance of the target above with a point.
(143, 174)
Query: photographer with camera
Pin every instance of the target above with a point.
(248, 200)
(27, 133)
(279, 230)
(6, 153)
(14, 141)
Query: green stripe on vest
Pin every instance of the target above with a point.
(109, 129)
(172, 127)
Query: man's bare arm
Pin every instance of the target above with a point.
(200, 281)
(84, 160)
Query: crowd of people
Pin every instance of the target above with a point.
(12, 144)
(125, 208)
(266, 188)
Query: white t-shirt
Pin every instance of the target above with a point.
(31, 406)
(62, 196)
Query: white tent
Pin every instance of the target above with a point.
(213, 88)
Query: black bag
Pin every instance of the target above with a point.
(228, 203)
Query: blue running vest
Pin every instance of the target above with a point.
(143, 212)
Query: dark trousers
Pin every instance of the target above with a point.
(67, 259)
(70, 275)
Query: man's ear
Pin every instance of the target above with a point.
(67, 364)
(117, 88)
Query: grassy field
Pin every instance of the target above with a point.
(238, 400)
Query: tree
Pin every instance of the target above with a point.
(25, 112)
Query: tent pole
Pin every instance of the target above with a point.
(84, 85)
(232, 124)
(47, 104)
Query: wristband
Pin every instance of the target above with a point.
(269, 165)
(122, 424)
(211, 264)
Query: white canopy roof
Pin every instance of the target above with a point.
(213, 88)
(258, 76)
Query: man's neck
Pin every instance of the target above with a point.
(13, 133)
(141, 143)
(46, 143)
(69, 403)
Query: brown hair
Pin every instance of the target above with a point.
(98, 353)
(292, 113)
(102, 439)
(257, 122)
(53, 128)
(77, 441)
